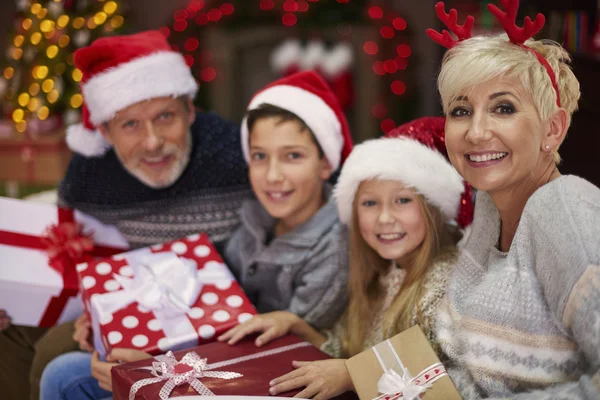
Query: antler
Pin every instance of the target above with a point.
(507, 19)
(462, 32)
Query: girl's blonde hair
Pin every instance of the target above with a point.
(367, 266)
(482, 58)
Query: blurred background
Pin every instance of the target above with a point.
(374, 54)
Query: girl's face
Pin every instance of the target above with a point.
(390, 218)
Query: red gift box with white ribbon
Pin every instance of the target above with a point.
(165, 297)
(40, 245)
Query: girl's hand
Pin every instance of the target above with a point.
(101, 369)
(272, 325)
(83, 333)
(321, 379)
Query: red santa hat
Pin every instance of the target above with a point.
(409, 156)
(307, 95)
(119, 71)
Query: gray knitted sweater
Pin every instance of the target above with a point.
(526, 323)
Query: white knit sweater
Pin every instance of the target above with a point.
(526, 323)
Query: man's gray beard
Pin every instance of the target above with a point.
(178, 168)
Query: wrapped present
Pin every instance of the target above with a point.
(214, 369)
(165, 297)
(40, 246)
(403, 367)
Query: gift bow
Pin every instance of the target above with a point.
(66, 244)
(393, 386)
(161, 283)
(188, 370)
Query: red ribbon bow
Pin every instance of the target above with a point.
(66, 245)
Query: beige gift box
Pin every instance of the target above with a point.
(386, 365)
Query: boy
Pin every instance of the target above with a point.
(291, 251)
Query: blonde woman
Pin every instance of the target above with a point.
(522, 314)
(397, 195)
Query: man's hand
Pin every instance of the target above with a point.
(101, 369)
(272, 325)
(83, 333)
(321, 380)
(4, 320)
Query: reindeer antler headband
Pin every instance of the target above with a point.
(517, 35)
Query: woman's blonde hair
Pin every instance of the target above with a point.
(367, 266)
(482, 58)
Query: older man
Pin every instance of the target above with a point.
(147, 163)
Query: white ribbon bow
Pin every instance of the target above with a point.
(393, 386)
(162, 282)
(188, 370)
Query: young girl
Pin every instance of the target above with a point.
(397, 195)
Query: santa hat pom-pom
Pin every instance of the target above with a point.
(338, 60)
(313, 56)
(86, 142)
(286, 55)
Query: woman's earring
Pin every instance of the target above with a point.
(547, 147)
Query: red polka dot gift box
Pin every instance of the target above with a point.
(169, 296)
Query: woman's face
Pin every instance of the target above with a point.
(494, 135)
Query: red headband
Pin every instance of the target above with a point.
(516, 34)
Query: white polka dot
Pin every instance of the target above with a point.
(112, 285)
(140, 340)
(157, 246)
(103, 268)
(221, 316)
(179, 247)
(210, 299)
(130, 322)
(119, 257)
(201, 251)
(196, 313)
(164, 344)
(194, 238)
(114, 337)
(223, 284)
(143, 309)
(126, 271)
(244, 317)
(81, 267)
(88, 282)
(154, 325)
(234, 301)
(206, 331)
(106, 318)
(214, 266)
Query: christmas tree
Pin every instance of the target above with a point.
(40, 80)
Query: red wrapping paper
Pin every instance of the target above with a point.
(220, 305)
(257, 373)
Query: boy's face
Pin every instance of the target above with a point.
(286, 171)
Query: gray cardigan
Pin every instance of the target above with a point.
(525, 324)
(304, 271)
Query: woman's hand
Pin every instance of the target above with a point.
(321, 379)
(83, 333)
(101, 369)
(272, 325)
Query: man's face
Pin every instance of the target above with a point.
(152, 139)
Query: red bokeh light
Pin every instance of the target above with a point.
(174, 47)
(180, 26)
(289, 19)
(387, 32)
(267, 5)
(375, 12)
(390, 66)
(214, 15)
(180, 15)
(165, 31)
(189, 60)
(302, 6)
(399, 23)
(378, 68)
(195, 5)
(403, 50)
(202, 19)
(401, 63)
(208, 74)
(379, 110)
(370, 48)
(387, 125)
(191, 44)
(341, 1)
(227, 8)
(398, 87)
(290, 6)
